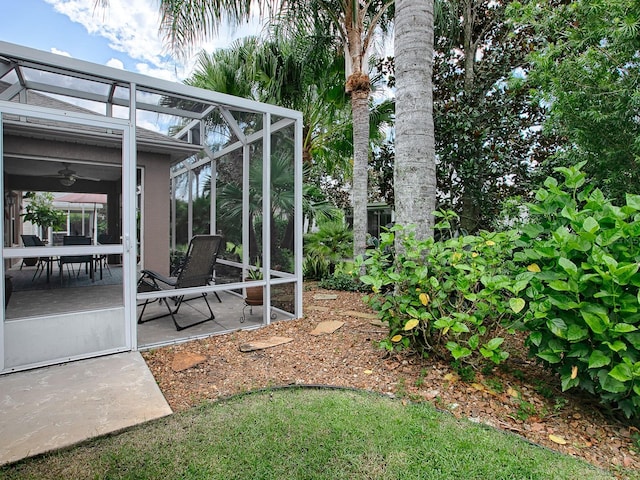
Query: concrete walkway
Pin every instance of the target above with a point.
(53, 407)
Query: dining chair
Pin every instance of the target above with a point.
(80, 259)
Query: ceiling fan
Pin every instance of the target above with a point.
(68, 177)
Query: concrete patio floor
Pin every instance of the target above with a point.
(58, 406)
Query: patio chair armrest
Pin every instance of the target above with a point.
(158, 277)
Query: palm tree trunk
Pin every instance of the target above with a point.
(360, 115)
(415, 168)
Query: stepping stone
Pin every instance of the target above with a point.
(184, 360)
(329, 326)
(353, 313)
(317, 308)
(267, 343)
(325, 296)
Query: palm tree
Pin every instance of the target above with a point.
(415, 168)
(302, 74)
(352, 23)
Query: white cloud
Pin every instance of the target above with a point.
(60, 52)
(132, 28)
(115, 63)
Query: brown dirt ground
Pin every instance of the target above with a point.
(518, 397)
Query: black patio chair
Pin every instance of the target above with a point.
(29, 241)
(40, 262)
(71, 259)
(196, 271)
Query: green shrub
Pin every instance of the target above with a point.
(449, 297)
(315, 268)
(344, 282)
(332, 242)
(580, 258)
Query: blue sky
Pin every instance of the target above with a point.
(123, 36)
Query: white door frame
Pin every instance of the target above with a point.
(128, 246)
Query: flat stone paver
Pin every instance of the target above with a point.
(325, 296)
(185, 360)
(326, 327)
(262, 344)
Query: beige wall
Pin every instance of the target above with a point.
(155, 181)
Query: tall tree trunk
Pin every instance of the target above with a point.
(360, 112)
(359, 87)
(469, 211)
(415, 168)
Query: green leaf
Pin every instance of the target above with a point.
(562, 301)
(557, 327)
(535, 338)
(610, 384)
(595, 316)
(621, 372)
(623, 274)
(395, 276)
(616, 346)
(590, 225)
(444, 322)
(458, 351)
(576, 333)
(568, 382)
(367, 279)
(549, 357)
(460, 327)
(598, 359)
(633, 339)
(560, 286)
(633, 200)
(624, 328)
(596, 324)
(532, 230)
(568, 266)
(517, 304)
(578, 350)
(494, 343)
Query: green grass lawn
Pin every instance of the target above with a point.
(306, 434)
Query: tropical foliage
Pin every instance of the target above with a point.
(449, 298)
(585, 70)
(351, 25)
(486, 123)
(330, 243)
(569, 278)
(580, 260)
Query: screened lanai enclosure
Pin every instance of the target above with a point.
(151, 165)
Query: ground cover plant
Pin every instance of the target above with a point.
(303, 433)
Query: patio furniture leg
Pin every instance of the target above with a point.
(173, 312)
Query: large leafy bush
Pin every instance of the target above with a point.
(580, 257)
(448, 297)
